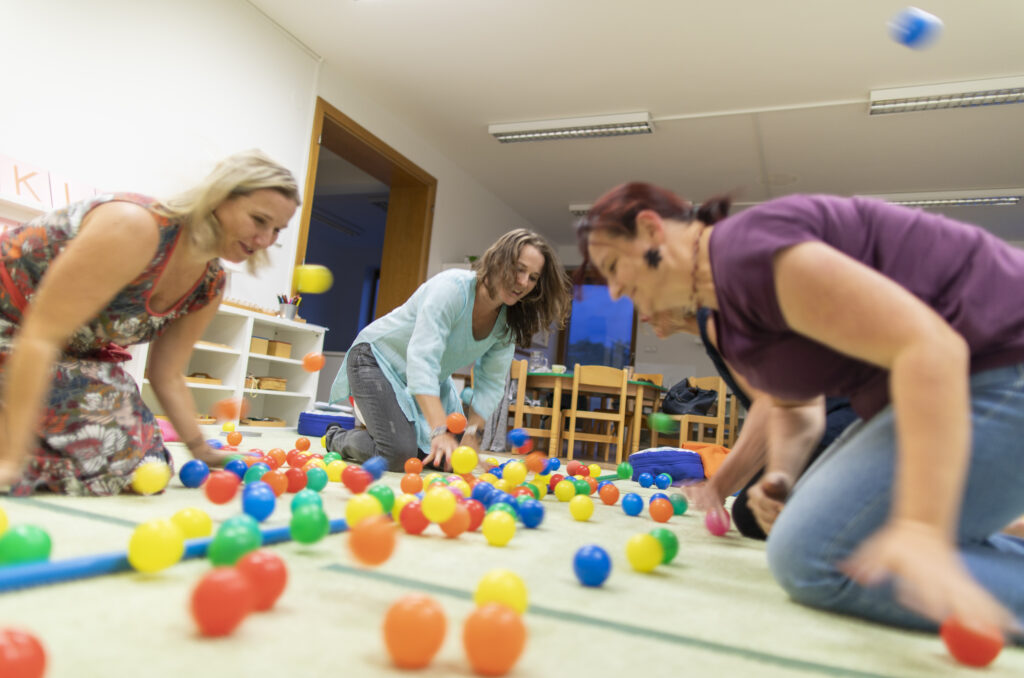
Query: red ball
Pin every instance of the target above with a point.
(296, 479)
(554, 480)
(358, 480)
(609, 494)
(267, 576)
(411, 483)
(582, 470)
(573, 468)
(221, 600)
(221, 487)
(661, 510)
(522, 491)
(456, 422)
(526, 447)
(413, 465)
(970, 646)
(477, 512)
(412, 518)
(458, 523)
(21, 655)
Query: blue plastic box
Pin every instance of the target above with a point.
(678, 463)
(316, 423)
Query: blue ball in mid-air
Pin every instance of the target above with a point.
(914, 27)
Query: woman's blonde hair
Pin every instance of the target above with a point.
(548, 303)
(238, 174)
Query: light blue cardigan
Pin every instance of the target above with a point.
(422, 342)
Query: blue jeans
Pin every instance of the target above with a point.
(846, 496)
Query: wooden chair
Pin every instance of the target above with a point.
(718, 428)
(609, 426)
(651, 402)
(531, 418)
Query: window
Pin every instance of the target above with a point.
(600, 331)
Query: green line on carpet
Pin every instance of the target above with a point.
(67, 510)
(722, 648)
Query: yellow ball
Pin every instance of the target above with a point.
(334, 470)
(492, 462)
(438, 504)
(432, 478)
(151, 477)
(581, 507)
(315, 462)
(193, 523)
(313, 278)
(503, 485)
(488, 478)
(464, 459)
(227, 426)
(3, 520)
(361, 507)
(502, 586)
(542, 487)
(400, 502)
(565, 490)
(644, 552)
(514, 473)
(462, 486)
(595, 471)
(155, 545)
(499, 528)
(323, 441)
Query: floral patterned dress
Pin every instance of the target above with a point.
(95, 428)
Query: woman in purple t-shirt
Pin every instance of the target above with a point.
(912, 316)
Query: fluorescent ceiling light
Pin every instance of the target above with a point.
(991, 92)
(573, 128)
(1005, 200)
(579, 210)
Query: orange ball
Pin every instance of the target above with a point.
(372, 540)
(456, 423)
(234, 438)
(302, 444)
(411, 483)
(973, 647)
(230, 409)
(661, 510)
(313, 362)
(609, 494)
(414, 629)
(277, 480)
(494, 637)
(413, 465)
(458, 523)
(535, 461)
(278, 455)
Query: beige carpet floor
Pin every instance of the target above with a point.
(715, 611)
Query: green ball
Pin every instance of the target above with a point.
(534, 491)
(624, 470)
(24, 544)
(384, 494)
(231, 542)
(306, 496)
(331, 456)
(236, 456)
(669, 543)
(679, 503)
(309, 524)
(504, 507)
(582, 486)
(661, 422)
(316, 478)
(253, 474)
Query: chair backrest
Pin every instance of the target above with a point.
(517, 373)
(725, 414)
(656, 379)
(602, 376)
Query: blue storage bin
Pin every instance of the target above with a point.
(678, 463)
(316, 423)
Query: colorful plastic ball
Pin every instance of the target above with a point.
(155, 545)
(536, 462)
(413, 465)
(331, 456)
(526, 447)
(214, 443)
(662, 481)
(581, 486)
(400, 502)
(438, 504)
(313, 278)
(304, 497)
(581, 507)
(194, 473)
(384, 494)
(482, 492)
(222, 486)
(573, 468)
(316, 479)
(360, 507)
(915, 28)
(238, 467)
(258, 500)
(296, 479)
(553, 465)
(151, 477)
(334, 469)
(375, 466)
(499, 528)
(661, 422)
(221, 600)
(21, 655)
(356, 479)
(372, 540)
(227, 426)
(609, 494)
(267, 577)
(313, 362)
(234, 438)
(717, 522)
(645, 479)
(502, 586)
(476, 514)
(969, 646)
(644, 552)
(464, 459)
(255, 472)
(518, 437)
(412, 518)
(595, 471)
(277, 480)
(624, 470)
(494, 637)
(669, 543)
(661, 510)
(632, 504)
(531, 512)
(458, 523)
(592, 565)
(414, 629)
(679, 503)
(466, 396)
(233, 540)
(193, 523)
(565, 490)
(309, 524)
(657, 495)
(514, 472)
(411, 483)
(24, 544)
(503, 507)
(456, 422)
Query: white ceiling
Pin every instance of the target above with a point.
(452, 67)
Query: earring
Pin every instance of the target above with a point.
(653, 257)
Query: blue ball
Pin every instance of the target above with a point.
(214, 443)
(915, 27)
(500, 497)
(238, 467)
(662, 481)
(658, 495)
(603, 483)
(258, 500)
(194, 473)
(481, 492)
(553, 465)
(645, 480)
(632, 504)
(467, 395)
(518, 437)
(496, 471)
(531, 512)
(592, 565)
(375, 466)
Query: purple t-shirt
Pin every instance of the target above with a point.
(968, 276)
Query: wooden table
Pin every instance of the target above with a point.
(559, 383)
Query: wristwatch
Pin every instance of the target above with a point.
(439, 431)
(473, 431)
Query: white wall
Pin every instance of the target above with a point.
(146, 97)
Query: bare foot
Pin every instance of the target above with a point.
(1016, 528)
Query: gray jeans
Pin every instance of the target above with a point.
(388, 433)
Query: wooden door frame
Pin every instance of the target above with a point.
(410, 215)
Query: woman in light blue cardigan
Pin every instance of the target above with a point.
(399, 367)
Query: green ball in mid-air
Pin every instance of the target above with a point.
(661, 422)
(624, 470)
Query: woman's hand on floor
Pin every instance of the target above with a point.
(211, 456)
(929, 577)
(767, 497)
(703, 497)
(441, 448)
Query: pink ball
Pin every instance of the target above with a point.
(717, 522)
